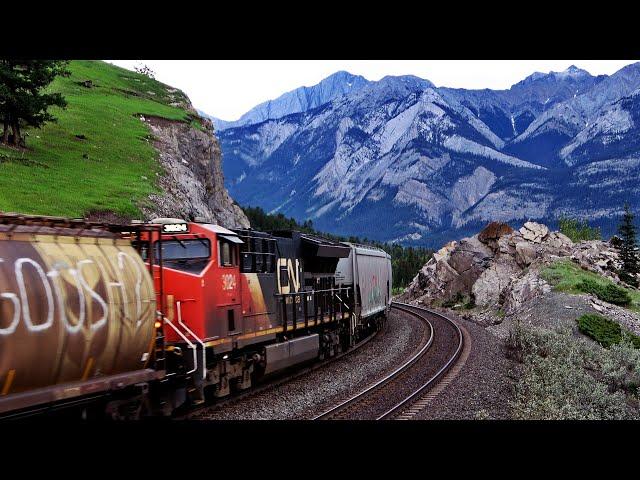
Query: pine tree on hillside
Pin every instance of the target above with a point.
(23, 101)
(628, 248)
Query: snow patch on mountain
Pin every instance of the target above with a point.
(464, 145)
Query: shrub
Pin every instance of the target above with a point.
(629, 279)
(604, 331)
(578, 230)
(564, 377)
(610, 292)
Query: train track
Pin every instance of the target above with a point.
(201, 412)
(399, 395)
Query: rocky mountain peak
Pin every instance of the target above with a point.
(299, 100)
(569, 73)
(572, 71)
(443, 162)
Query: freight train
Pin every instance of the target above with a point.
(146, 318)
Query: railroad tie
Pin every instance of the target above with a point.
(419, 405)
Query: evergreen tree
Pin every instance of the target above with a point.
(628, 248)
(23, 101)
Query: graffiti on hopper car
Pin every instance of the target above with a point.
(54, 298)
(375, 295)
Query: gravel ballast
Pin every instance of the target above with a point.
(483, 387)
(310, 395)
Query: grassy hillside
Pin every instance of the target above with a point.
(566, 276)
(113, 169)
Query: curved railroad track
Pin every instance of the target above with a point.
(202, 412)
(399, 394)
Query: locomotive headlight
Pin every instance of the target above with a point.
(158, 324)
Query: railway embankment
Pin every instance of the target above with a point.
(554, 329)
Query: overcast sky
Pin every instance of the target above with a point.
(228, 88)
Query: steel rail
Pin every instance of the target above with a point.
(414, 358)
(400, 405)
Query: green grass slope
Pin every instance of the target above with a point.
(566, 276)
(114, 168)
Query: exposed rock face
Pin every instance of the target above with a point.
(487, 288)
(193, 184)
(452, 270)
(500, 267)
(600, 257)
(523, 289)
(525, 253)
(534, 232)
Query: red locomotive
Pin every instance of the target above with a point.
(145, 318)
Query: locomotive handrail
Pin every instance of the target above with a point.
(341, 301)
(191, 345)
(301, 292)
(204, 350)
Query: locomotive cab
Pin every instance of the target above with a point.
(200, 275)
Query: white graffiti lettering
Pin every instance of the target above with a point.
(26, 314)
(53, 287)
(94, 295)
(16, 313)
(55, 275)
(121, 257)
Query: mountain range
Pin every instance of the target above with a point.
(399, 159)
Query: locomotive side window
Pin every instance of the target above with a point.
(183, 249)
(227, 253)
(257, 255)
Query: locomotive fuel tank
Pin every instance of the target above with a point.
(74, 305)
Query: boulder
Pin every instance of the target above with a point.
(493, 232)
(534, 232)
(523, 289)
(493, 280)
(559, 241)
(506, 246)
(525, 253)
(597, 256)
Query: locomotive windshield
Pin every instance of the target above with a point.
(193, 249)
(190, 255)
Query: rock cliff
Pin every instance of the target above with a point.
(499, 267)
(192, 184)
